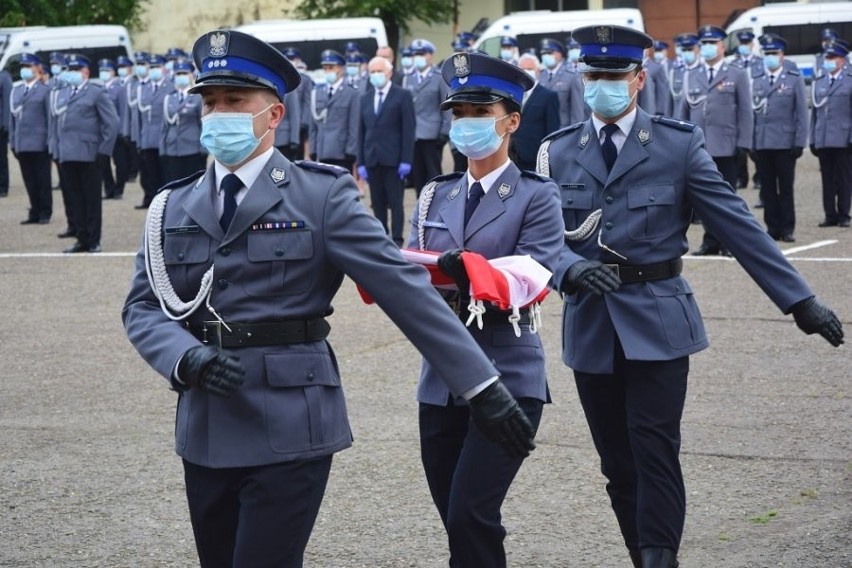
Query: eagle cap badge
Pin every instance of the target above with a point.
(603, 35)
(217, 44)
(461, 64)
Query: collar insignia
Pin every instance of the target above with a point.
(277, 175)
(584, 139)
(217, 45)
(644, 136)
(504, 190)
(454, 193)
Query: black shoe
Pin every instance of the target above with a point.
(775, 236)
(844, 223)
(829, 223)
(95, 248)
(29, 222)
(140, 206)
(118, 196)
(77, 247)
(4, 194)
(659, 558)
(705, 250)
(44, 221)
(788, 238)
(759, 205)
(67, 234)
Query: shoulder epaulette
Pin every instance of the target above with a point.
(331, 169)
(534, 175)
(563, 131)
(674, 123)
(759, 73)
(183, 181)
(446, 177)
(792, 71)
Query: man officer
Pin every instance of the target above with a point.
(629, 183)
(556, 76)
(334, 109)
(260, 405)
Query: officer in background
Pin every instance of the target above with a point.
(181, 153)
(288, 138)
(747, 59)
(354, 77)
(780, 135)
(831, 132)
(5, 124)
(334, 108)
(661, 55)
(687, 46)
(87, 126)
(826, 36)
(260, 407)
(556, 76)
(717, 98)
(109, 79)
(56, 84)
(509, 50)
(433, 125)
(629, 183)
(151, 97)
(660, 81)
(573, 54)
(540, 114)
(406, 65)
(303, 92)
(123, 155)
(30, 115)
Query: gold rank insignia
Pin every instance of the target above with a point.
(504, 190)
(277, 175)
(454, 193)
(584, 139)
(643, 136)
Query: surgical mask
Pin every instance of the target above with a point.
(141, 71)
(772, 62)
(170, 65)
(608, 98)
(74, 78)
(104, 76)
(27, 73)
(532, 73)
(506, 54)
(351, 70)
(659, 56)
(331, 77)
(122, 72)
(548, 60)
(573, 55)
(181, 80)
(743, 50)
(156, 73)
(708, 51)
(829, 65)
(406, 62)
(688, 57)
(476, 138)
(420, 62)
(378, 80)
(55, 69)
(678, 50)
(229, 136)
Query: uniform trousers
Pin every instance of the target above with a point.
(121, 157)
(4, 160)
(468, 477)
(386, 192)
(84, 191)
(835, 166)
(150, 173)
(106, 177)
(777, 169)
(427, 163)
(727, 166)
(634, 417)
(255, 517)
(67, 201)
(35, 171)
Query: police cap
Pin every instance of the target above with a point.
(106, 64)
(174, 53)
(406, 52)
(76, 61)
(745, 36)
(711, 33)
(123, 61)
(549, 45)
(292, 53)
(331, 57)
(156, 60)
(837, 47)
(687, 41)
(660, 45)
(479, 79)
(457, 45)
(571, 43)
(57, 57)
(422, 46)
(234, 59)
(30, 59)
(467, 37)
(614, 49)
(508, 41)
(827, 34)
(355, 57)
(352, 47)
(183, 66)
(771, 43)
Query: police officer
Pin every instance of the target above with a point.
(826, 36)
(5, 124)
(123, 155)
(113, 87)
(629, 182)
(260, 406)
(334, 108)
(151, 123)
(659, 81)
(747, 59)
(354, 77)
(87, 126)
(30, 112)
(303, 92)
(717, 97)
(556, 76)
(288, 133)
(406, 65)
(831, 132)
(433, 125)
(573, 54)
(180, 150)
(661, 55)
(780, 135)
(687, 46)
(509, 49)
(56, 84)
(496, 210)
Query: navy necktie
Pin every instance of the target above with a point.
(231, 184)
(379, 103)
(473, 198)
(711, 75)
(610, 152)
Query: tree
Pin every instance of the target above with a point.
(70, 12)
(396, 14)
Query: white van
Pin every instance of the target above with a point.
(95, 42)
(800, 26)
(312, 37)
(529, 28)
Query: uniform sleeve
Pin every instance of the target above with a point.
(409, 124)
(551, 113)
(354, 120)
(541, 234)
(295, 114)
(648, 98)
(109, 123)
(745, 112)
(5, 95)
(576, 100)
(801, 114)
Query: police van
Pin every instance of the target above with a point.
(800, 26)
(95, 42)
(529, 28)
(312, 37)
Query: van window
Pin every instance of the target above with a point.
(527, 43)
(312, 49)
(803, 39)
(93, 54)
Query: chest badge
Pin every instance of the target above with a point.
(277, 175)
(504, 190)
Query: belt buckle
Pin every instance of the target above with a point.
(614, 268)
(216, 327)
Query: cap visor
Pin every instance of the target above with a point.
(472, 98)
(229, 81)
(609, 66)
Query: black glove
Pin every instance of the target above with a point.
(591, 275)
(442, 140)
(797, 152)
(207, 367)
(814, 151)
(450, 263)
(498, 416)
(812, 316)
(742, 152)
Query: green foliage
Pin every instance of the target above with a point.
(70, 12)
(765, 518)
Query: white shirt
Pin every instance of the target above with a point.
(715, 67)
(619, 137)
(488, 179)
(247, 173)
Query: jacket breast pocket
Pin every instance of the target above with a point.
(577, 201)
(277, 262)
(678, 312)
(186, 255)
(651, 211)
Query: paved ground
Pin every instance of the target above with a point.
(88, 476)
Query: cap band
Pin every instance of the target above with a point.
(514, 91)
(613, 51)
(235, 65)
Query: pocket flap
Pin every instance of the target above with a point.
(650, 195)
(185, 248)
(669, 287)
(300, 370)
(575, 196)
(291, 244)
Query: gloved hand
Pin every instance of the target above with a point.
(497, 415)
(362, 172)
(797, 152)
(591, 275)
(450, 263)
(103, 159)
(812, 316)
(403, 170)
(442, 140)
(814, 150)
(207, 367)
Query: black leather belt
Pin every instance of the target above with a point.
(261, 334)
(630, 274)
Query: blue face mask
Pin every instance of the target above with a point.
(351, 70)
(27, 73)
(55, 69)
(829, 65)
(141, 71)
(122, 72)
(608, 98)
(181, 80)
(420, 62)
(506, 54)
(156, 73)
(573, 55)
(772, 62)
(688, 57)
(659, 56)
(170, 65)
(548, 60)
(331, 77)
(406, 62)
(476, 138)
(378, 80)
(104, 76)
(229, 136)
(708, 51)
(743, 50)
(74, 78)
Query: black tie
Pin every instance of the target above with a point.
(831, 83)
(180, 99)
(74, 89)
(231, 184)
(771, 80)
(379, 104)
(711, 75)
(610, 152)
(473, 198)
(330, 91)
